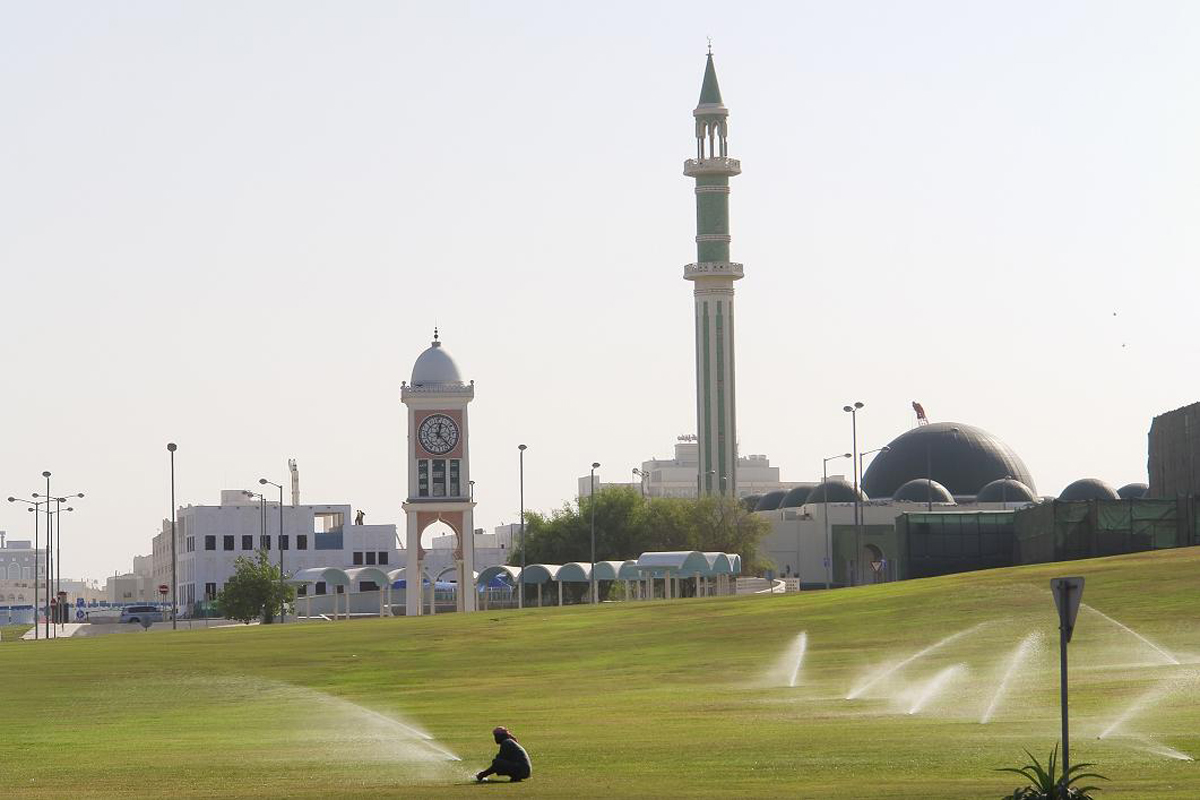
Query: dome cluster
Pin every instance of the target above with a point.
(960, 457)
(944, 463)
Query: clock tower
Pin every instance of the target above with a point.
(439, 470)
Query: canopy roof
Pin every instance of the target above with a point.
(331, 576)
(374, 574)
(576, 572)
(687, 562)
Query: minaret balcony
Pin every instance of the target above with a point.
(717, 165)
(713, 269)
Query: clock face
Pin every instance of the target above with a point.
(438, 434)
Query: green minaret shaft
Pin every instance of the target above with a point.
(713, 275)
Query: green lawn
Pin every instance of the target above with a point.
(687, 698)
(11, 633)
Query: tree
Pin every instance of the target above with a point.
(255, 590)
(628, 524)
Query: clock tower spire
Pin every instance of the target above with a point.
(712, 276)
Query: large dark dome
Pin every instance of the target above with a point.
(922, 490)
(1088, 489)
(1006, 490)
(961, 457)
(837, 490)
(770, 501)
(1133, 491)
(797, 497)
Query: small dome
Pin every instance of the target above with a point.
(797, 496)
(770, 501)
(837, 490)
(923, 490)
(1133, 491)
(960, 457)
(1088, 489)
(435, 367)
(1006, 490)
(750, 501)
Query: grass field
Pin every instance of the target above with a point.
(688, 698)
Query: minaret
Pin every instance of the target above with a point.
(713, 275)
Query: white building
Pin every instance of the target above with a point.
(676, 477)
(128, 588)
(209, 539)
(17, 559)
(491, 549)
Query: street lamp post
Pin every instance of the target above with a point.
(825, 507)
(282, 602)
(58, 509)
(262, 520)
(592, 573)
(49, 564)
(642, 478)
(853, 411)
(33, 507)
(521, 458)
(171, 447)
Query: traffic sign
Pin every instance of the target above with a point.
(1067, 594)
(163, 588)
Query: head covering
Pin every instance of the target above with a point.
(502, 732)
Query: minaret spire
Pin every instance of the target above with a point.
(713, 275)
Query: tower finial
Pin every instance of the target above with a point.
(435, 333)
(710, 45)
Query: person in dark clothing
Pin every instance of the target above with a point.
(512, 760)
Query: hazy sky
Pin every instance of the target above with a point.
(234, 225)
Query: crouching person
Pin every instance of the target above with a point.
(512, 760)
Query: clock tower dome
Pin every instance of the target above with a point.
(439, 470)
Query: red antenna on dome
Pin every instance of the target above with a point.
(921, 418)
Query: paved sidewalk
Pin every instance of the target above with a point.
(63, 631)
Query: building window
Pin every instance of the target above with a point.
(283, 541)
(210, 591)
(320, 587)
(210, 542)
(247, 542)
(454, 492)
(265, 542)
(358, 558)
(423, 478)
(368, 586)
(439, 477)
(302, 590)
(370, 558)
(302, 541)
(228, 542)
(383, 557)
(191, 544)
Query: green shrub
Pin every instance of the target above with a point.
(1043, 784)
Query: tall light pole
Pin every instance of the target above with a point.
(171, 448)
(642, 478)
(58, 501)
(592, 574)
(282, 602)
(49, 565)
(521, 591)
(825, 507)
(33, 507)
(853, 411)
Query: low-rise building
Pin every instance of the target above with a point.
(209, 539)
(679, 476)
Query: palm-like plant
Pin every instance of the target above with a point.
(1045, 786)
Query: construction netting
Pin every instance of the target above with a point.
(1057, 531)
